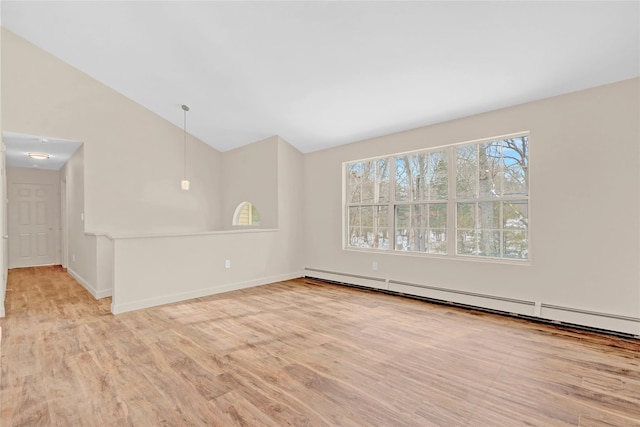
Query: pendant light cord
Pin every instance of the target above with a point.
(185, 109)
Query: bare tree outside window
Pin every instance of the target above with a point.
(368, 186)
(421, 207)
(492, 188)
(407, 202)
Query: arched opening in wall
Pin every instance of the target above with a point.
(246, 214)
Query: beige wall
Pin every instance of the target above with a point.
(133, 158)
(250, 174)
(584, 205)
(152, 270)
(81, 253)
(122, 190)
(290, 206)
(4, 262)
(4, 247)
(33, 176)
(585, 198)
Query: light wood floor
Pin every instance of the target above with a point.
(299, 353)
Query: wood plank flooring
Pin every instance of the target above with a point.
(299, 353)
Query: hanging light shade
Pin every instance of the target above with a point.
(184, 184)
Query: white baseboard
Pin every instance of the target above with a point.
(352, 279)
(198, 293)
(104, 293)
(97, 294)
(567, 315)
(606, 321)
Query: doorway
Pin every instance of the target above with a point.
(35, 177)
(33, 217)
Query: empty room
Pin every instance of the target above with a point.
(320, 213)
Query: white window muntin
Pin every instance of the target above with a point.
(452, 201)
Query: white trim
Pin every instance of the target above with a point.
(92, 289)
(235, 221)
(64, 223)
(492, 302)
(97, 233)
(104, 293)
(198, 293)
(532, 309)
(2, 309)
(594, 319)
(183, 234)
(452, 201)
(437, 147)
(465, 258)
(353, 279)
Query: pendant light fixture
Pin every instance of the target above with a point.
(184, 184)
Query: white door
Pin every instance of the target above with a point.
(31, 225)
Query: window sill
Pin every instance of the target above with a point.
(465, 258)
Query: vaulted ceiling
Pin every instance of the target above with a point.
(321, 74)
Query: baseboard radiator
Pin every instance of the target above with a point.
(537, 311)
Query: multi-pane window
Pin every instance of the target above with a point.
(465, 199)
(367, 201)
(420, 209)
(492, 198)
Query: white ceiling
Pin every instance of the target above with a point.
(321, 74)
(18, 146)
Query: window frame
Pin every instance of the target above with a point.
(452, 202)
(235, 221)
(374, 204)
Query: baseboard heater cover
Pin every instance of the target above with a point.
(445, 291)
(606, 323)
(353, 279)
(592, 319)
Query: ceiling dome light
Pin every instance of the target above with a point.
(39, 156)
